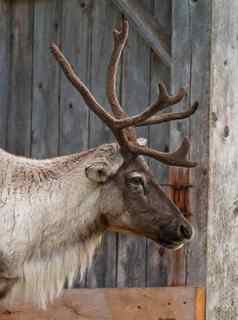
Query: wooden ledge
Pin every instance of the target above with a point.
(176, 303)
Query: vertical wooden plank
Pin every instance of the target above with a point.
(158, 259)
(200, 65)
(180, 77)
(76, 42)
(159, 134)
(135, 96)
(181, 67)
(5, 15)
(179, 179)
(105, 17)
(19, 118)
(45, 108)
(222, 246)
(76, 45)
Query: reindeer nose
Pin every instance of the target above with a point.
(186, 231)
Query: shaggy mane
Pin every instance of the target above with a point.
(43, 280)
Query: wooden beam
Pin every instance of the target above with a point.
(148, 27)
(222, 244)
(116, 304)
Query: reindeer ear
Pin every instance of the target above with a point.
(98, 171)
(105, 164)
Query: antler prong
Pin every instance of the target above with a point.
(164, 100)
(177, 158)
(170, 116)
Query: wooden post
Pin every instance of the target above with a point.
(222, 244)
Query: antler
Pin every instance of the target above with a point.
(170, 116)
(123, 126)
(120, 38)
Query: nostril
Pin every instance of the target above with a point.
(186, 231)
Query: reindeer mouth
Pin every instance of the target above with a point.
(172, 245)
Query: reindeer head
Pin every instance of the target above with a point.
(131, 199)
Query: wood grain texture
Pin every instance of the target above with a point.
(74, 114)
(200, 304)
(20, 102)
(158, 260)
(116, 304)
(199, 91)
(42, 114)
(222, 247)
(5, 58)
(152, 31)
(104, 18)
(135, 98)
(45, 107)
(179, 180)
(180, 77)
(76, 45)
(190, 52)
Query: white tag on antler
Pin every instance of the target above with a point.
(142, 141)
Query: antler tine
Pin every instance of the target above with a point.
(177, 158)
(164, 100)
(120, 38)
(170, 116)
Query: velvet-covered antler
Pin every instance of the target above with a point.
(123, 126)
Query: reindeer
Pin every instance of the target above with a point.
(55, 211)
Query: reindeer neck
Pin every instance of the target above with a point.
(47, 203)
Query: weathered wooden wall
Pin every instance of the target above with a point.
(222, 271)
(191, 69)
(42, 115)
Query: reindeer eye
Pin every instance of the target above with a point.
(135, 181)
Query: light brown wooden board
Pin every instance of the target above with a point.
(127, 304)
